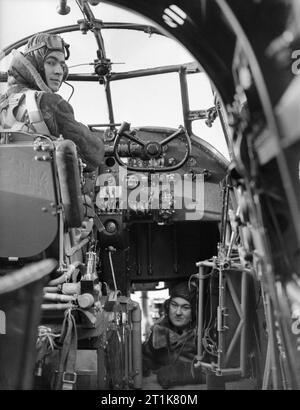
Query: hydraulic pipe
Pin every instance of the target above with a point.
(56, 306)
(200, 311)
(56, 297)
(51, 289)
(244, 303)
(129, 351)
(126, 336)
(136, 318)
(66, 275)
(76, 248)
(272, 343)
(220, 325)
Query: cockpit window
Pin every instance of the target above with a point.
(150, 100)
(88, 101)
(133, 50)
(146, 100)
(153, 100)
(201, 97)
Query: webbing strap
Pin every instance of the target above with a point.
(34, 114)
(8, 120)
(16, 121)
(67, 358)
(32, 108)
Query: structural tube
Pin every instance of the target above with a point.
(137, 347)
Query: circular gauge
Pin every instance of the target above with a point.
(132, 181)
(109, 134)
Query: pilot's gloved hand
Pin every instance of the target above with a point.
(179, 373)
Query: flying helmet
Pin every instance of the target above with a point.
(184, 291)
(42, 44)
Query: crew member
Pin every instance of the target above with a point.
(31, 104)
(171, 347)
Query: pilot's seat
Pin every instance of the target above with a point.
(28, 195)
(41, 204)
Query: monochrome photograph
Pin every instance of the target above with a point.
(149, 197)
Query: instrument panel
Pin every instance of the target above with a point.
(148, 194)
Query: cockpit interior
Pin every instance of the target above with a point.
(195, 104)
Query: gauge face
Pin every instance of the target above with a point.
(132, 181)
(109, 134)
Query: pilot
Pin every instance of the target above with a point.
(171, 347)
(31, 104)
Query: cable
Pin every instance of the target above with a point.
(70, 85)
(112, 269)
(79, 65)
(208, 343)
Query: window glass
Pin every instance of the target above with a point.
(201, 98)
(133, 50)
(146, 101)
(88, 101)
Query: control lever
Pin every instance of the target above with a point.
(125, 126)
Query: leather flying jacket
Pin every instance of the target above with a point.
(166, 345)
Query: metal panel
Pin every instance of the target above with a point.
(27, 197)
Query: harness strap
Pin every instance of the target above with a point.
(16, 121)
(34, 114)
(21, 114)
(67, 358)
(7, 107)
